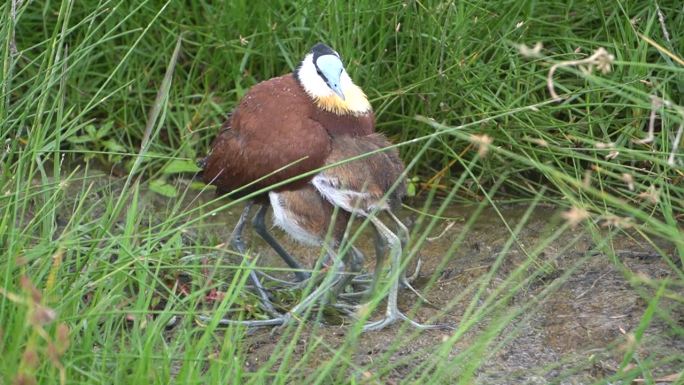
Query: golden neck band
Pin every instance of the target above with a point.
(355, 102)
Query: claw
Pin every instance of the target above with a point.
(405, 282)
(392, 318)
(416, 272)
(248, 323)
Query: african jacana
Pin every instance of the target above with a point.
(282, 128)
(296, 123)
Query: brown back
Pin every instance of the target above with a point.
(275, 125)
(374, 174)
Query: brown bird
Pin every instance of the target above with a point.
(297, 123)
(359, 187)
(282, 128)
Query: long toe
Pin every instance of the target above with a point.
(421, 326)
(276, 321)
(393, 318)
(287, 318)
(363, 284)
(264, 296)
(284, 283)
(380, 324)
(416, 273)
(364, 278)
(403, 281)
(355, 295)
(350, 310)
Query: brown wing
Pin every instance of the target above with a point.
(339, 125)
(389, 170)
(371, 176)
(311, 213)
(271, 129)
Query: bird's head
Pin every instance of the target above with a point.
(323, 77)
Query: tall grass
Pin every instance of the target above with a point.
(102, 100)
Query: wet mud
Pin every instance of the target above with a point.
(576, 316)
(578, 301)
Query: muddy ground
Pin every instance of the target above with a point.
(577, 315)
(581, 309)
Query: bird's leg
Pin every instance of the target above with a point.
(404, 235)
(285, 319)
(259, 224)
(236, 241)
(380, 245)
(393, 314)
(238, 244)
(334, 278)
(365, 280)
(354, 259)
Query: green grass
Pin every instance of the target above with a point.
(138, 90)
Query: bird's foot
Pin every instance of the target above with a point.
(284, 283)
(278, 323)
(412, 277)
(347, 309)
(405, 282)
(393, 317)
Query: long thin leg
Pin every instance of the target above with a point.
(259, 224)
(238, 243)
(404, 234)
(380, 256)
(380, 253)
(393, 314)
(354, 260)
(329, 284)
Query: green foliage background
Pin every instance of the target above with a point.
(96, 82)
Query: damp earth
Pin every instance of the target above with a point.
(582, 312)
(581, 296)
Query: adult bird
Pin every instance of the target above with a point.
(282, 128)
(294, 124)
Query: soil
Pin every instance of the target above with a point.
(574, 315)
